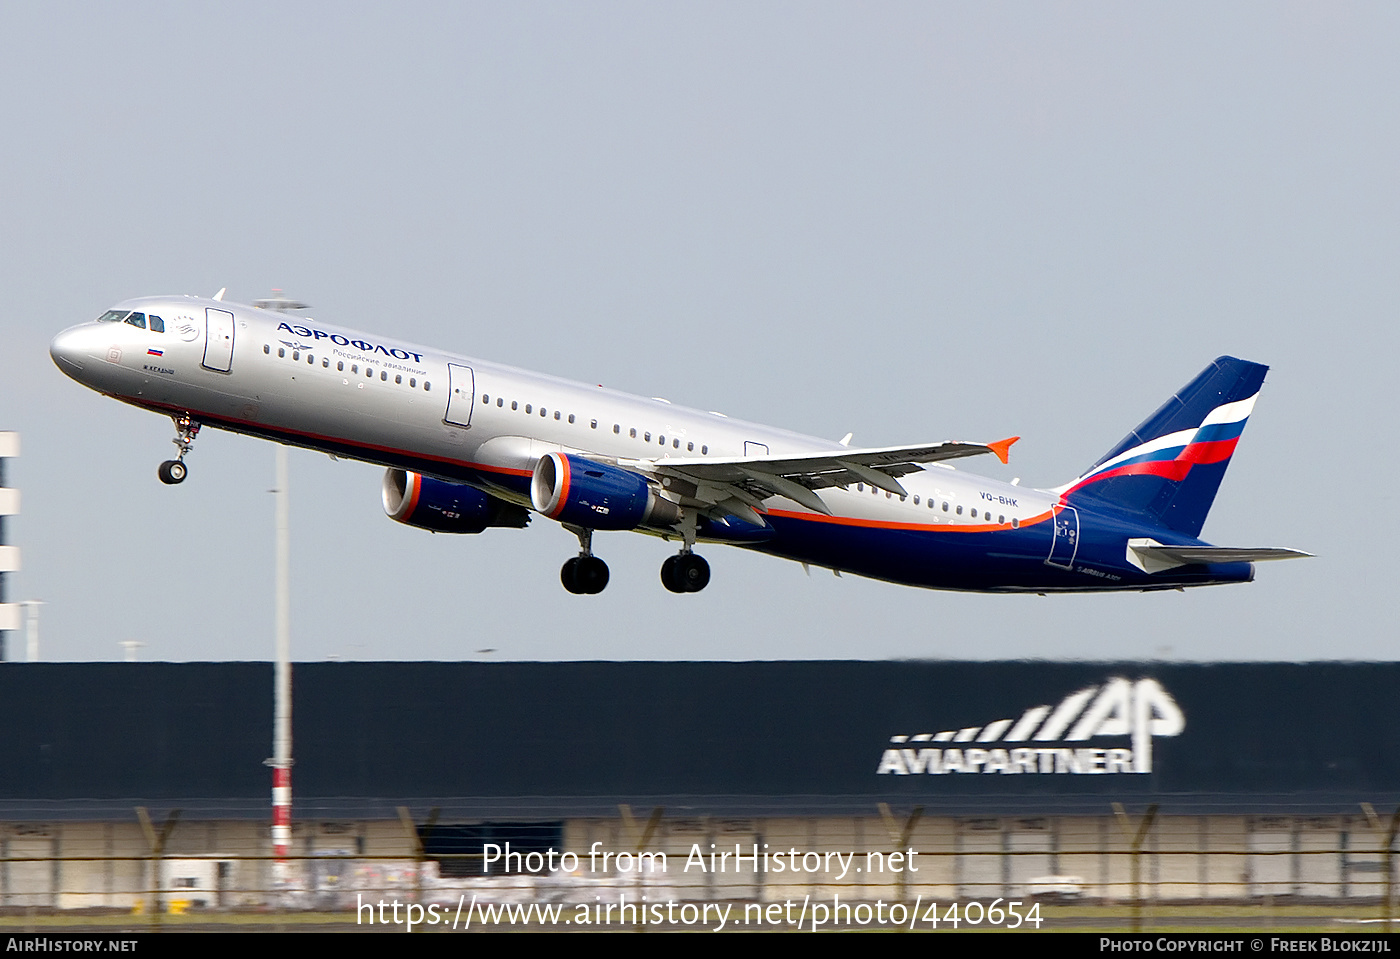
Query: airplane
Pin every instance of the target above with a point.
(468, 445)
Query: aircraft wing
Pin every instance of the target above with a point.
(740, 484)
(1151, 556)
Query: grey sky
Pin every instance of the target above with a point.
(915, 222)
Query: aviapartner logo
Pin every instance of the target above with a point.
(1120, 707)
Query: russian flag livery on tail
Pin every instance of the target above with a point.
(1170, 467)
(470, 445)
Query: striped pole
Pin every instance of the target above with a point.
(281, 817)
(9, 555)
(282, 693)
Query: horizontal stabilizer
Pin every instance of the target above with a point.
(1151, 556)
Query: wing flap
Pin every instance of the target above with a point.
(798, 476)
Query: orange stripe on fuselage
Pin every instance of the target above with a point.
(927, 527)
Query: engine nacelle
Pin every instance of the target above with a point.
(427, 503)
(593, 495)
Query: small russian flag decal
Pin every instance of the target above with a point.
(155, 352)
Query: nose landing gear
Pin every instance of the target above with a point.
(584, 573)
(174, 471)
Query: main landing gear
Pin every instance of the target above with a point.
(685, 572)
(174, 471)
(585, 573)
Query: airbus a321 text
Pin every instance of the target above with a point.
(470, 444)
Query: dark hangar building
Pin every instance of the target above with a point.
(1237, 780)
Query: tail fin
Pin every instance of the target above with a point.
(1170, 467)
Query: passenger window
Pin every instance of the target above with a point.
(617, 427)
(704, 451)
(661, 441)
(860, 487)
(267, 349)
(646, 437)
(916, 499)
(369, 372)
(543, 411)
(398, 379)
(1001, 520)
(632, 432)
(340, 366)
(157, 324)
(296, 354)
(485, 399)
(528, 408)
(514, 405)
(889, 495)
(413, 382)
(310, 360)
(959, 510)
(427, 386)
(500, 402)
(355, 368)
(281, 352)
(945, 506)
(690, 447)
(675, 444)
(1015, 523)
(325, 363)
(556, 416)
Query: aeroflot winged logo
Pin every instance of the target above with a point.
(1137, 710)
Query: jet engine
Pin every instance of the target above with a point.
(593, 495)
(443, 507)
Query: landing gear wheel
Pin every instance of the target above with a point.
(693, 572)
(591, 574)
(568, 575)
(668, 575)
(685, 573)
(584, 575)
(172, 472)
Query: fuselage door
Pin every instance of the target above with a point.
(461, 392)
(755, 449)
(1066, 542)
(218, 340)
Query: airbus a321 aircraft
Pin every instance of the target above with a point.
(470, 444)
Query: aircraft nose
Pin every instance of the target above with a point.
(67, 350)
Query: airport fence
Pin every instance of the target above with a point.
(1118, 871)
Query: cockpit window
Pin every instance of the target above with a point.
(112, 316)
(157, 324)
(137, 320)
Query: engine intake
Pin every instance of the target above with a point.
(443, 507)
(593, 495)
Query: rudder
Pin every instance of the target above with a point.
(1170, 467)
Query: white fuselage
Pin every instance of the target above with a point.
(398, 404)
